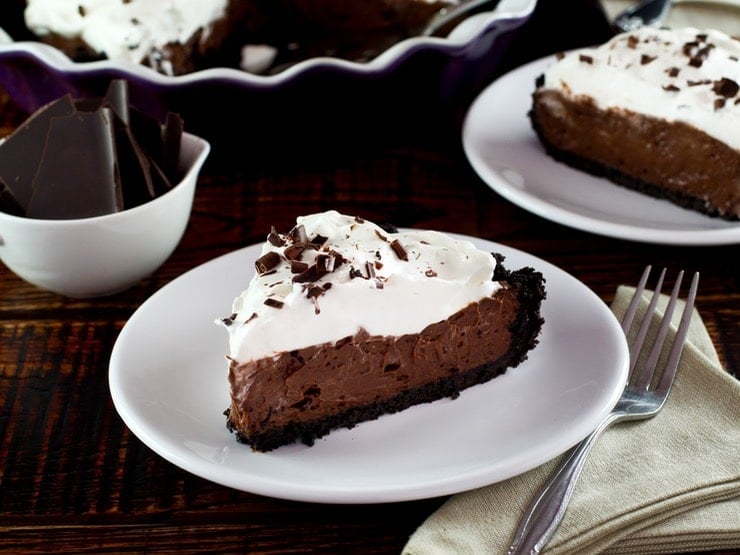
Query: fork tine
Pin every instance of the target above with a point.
(672, 363)
(636, 345)
(635, 302)
(648, 370)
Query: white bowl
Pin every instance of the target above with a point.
(91, 257)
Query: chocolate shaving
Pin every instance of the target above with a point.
(298, 234)
(324, 264)
(671, 88)
(319, 240)
(719, 103)
(381, 236)
(368, 274)
(586, 59)
(293, 252)
(274, 303)
(296, 266)
(399, 250)
(229, 320)
(645, 59)
(696, 52)
(331, 260)
(430, 273)
(725, 87)
(673, 71)
(274, 238)
(313, 292)
(310, 274)
(267, 262)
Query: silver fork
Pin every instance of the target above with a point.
(640, 399)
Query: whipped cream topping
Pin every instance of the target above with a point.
(123, 30)
(685, 75)
(333, 275)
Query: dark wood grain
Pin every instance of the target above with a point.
(74, 479)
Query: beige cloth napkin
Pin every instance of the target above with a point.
(664, 485)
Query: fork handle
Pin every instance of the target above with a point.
(544, 514)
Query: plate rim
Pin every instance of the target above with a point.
(272, 487)
(558, 214)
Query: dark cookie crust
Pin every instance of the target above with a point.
(560, 140)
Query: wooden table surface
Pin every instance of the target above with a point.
(73, 478)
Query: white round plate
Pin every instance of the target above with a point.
(168, 380)
(505, 152)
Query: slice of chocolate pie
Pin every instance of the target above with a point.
(654, 110)
(345, 321)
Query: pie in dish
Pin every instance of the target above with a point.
(181, 36)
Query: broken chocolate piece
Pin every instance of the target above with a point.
(725, 87)
(100, 134)
(134, 167)
(116, 98)
(275, 238)
(21, 151)
(171, 135)
(77, 176)
(296, 266)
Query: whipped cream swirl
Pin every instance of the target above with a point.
(685, 75)
(333, 275)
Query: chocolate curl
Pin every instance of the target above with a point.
(267, 262)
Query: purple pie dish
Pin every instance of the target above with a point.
(418, 86)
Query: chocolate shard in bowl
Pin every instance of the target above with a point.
(22, 149)
(85, 157)
(77, 176)
(134, 167)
